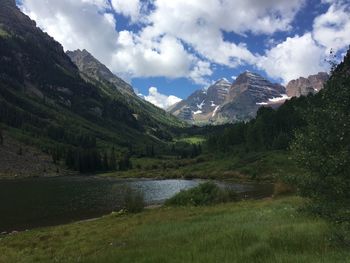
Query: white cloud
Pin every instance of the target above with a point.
(128, 8)
(185, 38)
(200, 24)
(164, 57)
(161, 100)
(177, 38)
(76, 24)
(332, 29)
(295, 57)
(86, 24)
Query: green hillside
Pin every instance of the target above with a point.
(45, 102)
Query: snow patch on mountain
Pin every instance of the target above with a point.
(200, 106)
(215, 111)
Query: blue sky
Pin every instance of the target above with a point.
(179, 46)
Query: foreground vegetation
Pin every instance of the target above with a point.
(251, 231)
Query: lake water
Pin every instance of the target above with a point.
(30, 203)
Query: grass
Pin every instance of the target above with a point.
(264, 166)
(250, 231)
(192, 140)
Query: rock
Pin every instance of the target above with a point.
(304, 86)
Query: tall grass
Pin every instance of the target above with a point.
(133, 201)
(266, 231)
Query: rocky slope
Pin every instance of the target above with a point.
(305, 86)
(226, 102)
(92, 68)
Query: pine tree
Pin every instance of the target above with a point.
(105, 165)
(112, 160)
(1, 137)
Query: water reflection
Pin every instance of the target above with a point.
(40, 202)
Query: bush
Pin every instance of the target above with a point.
(281, 188)
(133, 201)
(204, 194)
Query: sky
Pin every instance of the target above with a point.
(167, 49)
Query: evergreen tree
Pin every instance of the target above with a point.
(322, 148)
(70, 161)
(112, 160)
(1, 137)
(105, 165)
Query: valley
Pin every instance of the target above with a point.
(247, 170)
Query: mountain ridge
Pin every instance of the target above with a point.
(227, 102)
(241, 100)
(91, 67)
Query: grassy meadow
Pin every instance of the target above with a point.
(270, 230)
(263, 166)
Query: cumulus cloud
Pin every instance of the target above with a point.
(305, 55)
(90, 25)
(177, 38)
(332, 29)
(161, 100)
(185, 38)
(129, 8)
(164, 57)
(201, 24)
(296, 56)
(77, 24)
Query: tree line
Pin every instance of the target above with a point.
(270, 130)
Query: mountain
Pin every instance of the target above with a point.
(94, 69)
(202, 104)
(226, 102)
(47, 102)
(305, 86)
(98, 74)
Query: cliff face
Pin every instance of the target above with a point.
(305, 86)
(247, 94)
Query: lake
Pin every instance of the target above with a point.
(30, 203)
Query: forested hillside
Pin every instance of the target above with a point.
(46, 103)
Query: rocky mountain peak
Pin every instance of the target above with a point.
(304, 86)
(91, 67)
(222, 81)
(249, 77)
(226, 102)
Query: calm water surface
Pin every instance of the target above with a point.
(31, 203)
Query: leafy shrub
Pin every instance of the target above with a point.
(204, 194)
(281, 188)
(133, 201)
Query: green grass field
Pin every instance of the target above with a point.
(192, 140)
(250, 231)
